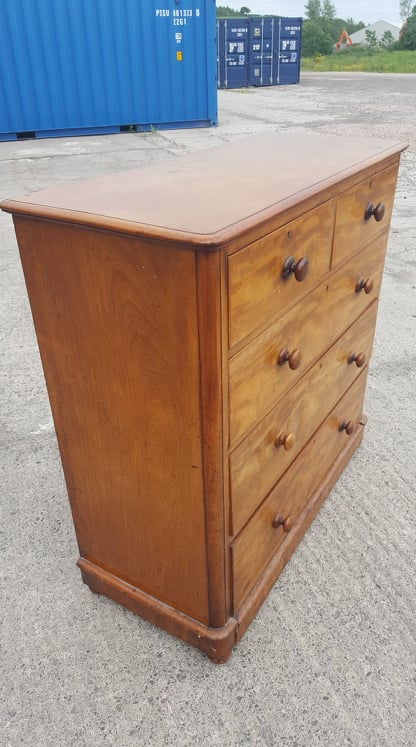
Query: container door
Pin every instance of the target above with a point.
(288, 57)
(232, 37)
(261, 46)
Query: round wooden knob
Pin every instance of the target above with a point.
(358, 359)
(286, 522)
(299, 268)
(286, 440)
(347, 426)
(378, 211)
(293, 358)
(365, 284)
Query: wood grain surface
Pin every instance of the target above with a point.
(309, 327)
(206, 401)
(260, 540)
(256, 464)
(108, 314)
(207, 197)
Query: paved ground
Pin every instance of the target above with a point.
(330, 659)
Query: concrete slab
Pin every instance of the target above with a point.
(330, 659)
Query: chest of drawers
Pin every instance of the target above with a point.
(205, 327)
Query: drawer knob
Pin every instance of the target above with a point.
(299, 268)
(286, 440)
(347, 426)
(358, 359)
(293, 358)
(365, 284)
(286, 522)
(378, 211)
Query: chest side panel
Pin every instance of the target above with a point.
(116, 321)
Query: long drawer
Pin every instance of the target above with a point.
(356, 224)
(260, 460)
(258, 542)
(259, 373)
(258, 291)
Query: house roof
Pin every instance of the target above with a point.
(358, 37)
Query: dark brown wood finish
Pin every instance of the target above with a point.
(206, 349)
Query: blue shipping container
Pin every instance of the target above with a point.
(269, 51)
(71, 67)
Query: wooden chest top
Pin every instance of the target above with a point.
(209, 197)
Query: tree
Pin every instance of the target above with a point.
(407, 39)
(332, 27)
(353, 26)
(328, 10)
(327, 20)
(371, 39)
(315, 40)
(313, 9)
(405, 9)
(224, 11)
(387, 41)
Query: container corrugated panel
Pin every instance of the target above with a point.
(83, 66)
(269, 51)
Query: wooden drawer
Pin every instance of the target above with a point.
(258, 542)
(256, 288)
(352, 229)
(257, 463)
(257, 381)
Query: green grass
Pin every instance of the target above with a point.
(363, 60)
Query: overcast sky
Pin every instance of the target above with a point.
(359, 10)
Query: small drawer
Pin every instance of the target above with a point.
(273, 273)
(259, 541)
(363, 213)
(356, 284)
(260, 460)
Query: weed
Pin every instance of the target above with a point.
(363, 60)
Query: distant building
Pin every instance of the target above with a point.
(380, 27)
